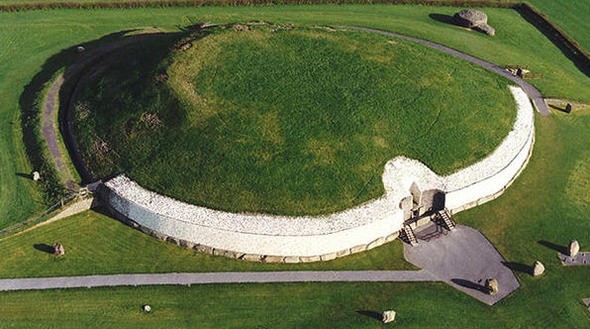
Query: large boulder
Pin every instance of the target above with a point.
(474, 19)
(388, 316)
(485, 28)
(574, 248)
(471, 18)
(538, 268)
(492, 286)
(58, 249)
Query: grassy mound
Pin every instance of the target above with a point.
(282, 120)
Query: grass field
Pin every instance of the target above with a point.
(553, 300)
(295, 122)
(98, 244)
(549, 202)
(39, 36)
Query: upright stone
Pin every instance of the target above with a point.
(36, 176)
(492, 286)
(574, 248)
(388, 316)
(538, 268)
(58, 249)
(568, 107)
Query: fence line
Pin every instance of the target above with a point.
(45, 215)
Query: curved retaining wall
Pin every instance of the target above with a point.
(260, 237)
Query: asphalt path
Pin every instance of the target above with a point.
(212, 278)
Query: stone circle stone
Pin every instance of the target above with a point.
(388, 316)
(538, 268)
(574, 248)
(492, 286)
(471, 18)
(58, 249)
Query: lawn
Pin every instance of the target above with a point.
(97, 244)
(296, 122)
(549, 202)
(515, 223)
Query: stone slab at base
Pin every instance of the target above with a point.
(581, 259)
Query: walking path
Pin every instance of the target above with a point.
(209, 278)
(531, 91)
(49, 130)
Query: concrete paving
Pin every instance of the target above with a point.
(581, 259)
(212, 278)
(464, 259)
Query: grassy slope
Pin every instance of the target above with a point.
(570, 15)
(298, 122)
(550, 301)
(96, 244)
(40, 35)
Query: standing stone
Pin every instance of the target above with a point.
(492, 286)
(538, 268)
(36, 176)
(388, 316)
(58, 249)
(574, 248)
(568, 107)
(80, 49)
(146, 308)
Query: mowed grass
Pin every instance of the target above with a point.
(41, 34)
(294, 122)
(96, 244)
(539, 206)
(571, 16)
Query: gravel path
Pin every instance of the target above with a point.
(49, 132)
(211, 278)
(531, 91)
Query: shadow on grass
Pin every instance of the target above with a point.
(372, 314)
(23, 175)
(556, 247)
(470, 285)
(73, 64)
(43, 247)
(443, 18)
(578, 59)
(519, 267)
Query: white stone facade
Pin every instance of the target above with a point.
(284, 238)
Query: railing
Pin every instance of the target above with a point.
(45, 215)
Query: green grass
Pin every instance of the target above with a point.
(570, 15)
(41, 34)
(96, 244)
(538, 206)
(294, 122)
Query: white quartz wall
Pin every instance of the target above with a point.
(352, 230)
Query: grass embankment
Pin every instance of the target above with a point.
(96, 244)
(548, 202)
(40, 36)
(293, 122)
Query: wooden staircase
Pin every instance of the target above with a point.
(445, 219)
(408, 235)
